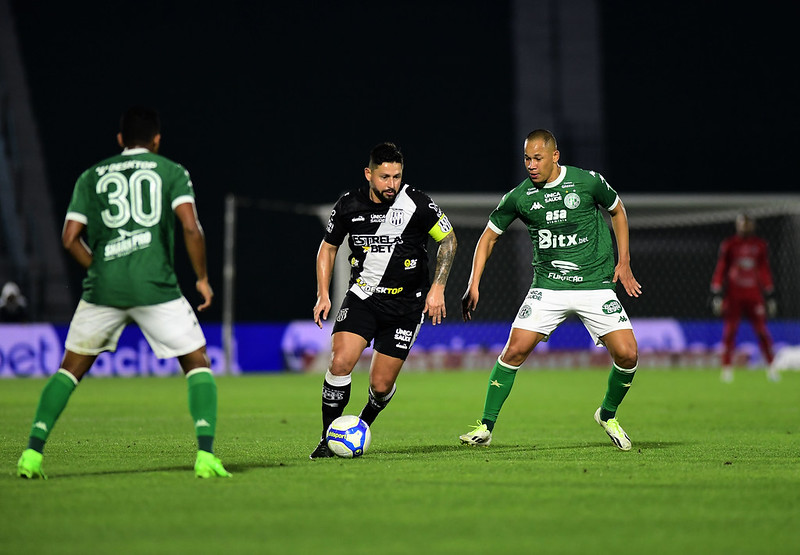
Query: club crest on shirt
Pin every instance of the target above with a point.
(396, 216)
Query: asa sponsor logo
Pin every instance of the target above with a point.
(556, 216)
(612, 307)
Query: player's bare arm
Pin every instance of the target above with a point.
(326, 256)
(483, 250)
(622, 271)
(434, 302)
(72, 239)
(195, 241)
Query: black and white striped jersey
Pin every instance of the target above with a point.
(388, 244)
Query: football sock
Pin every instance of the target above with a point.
(202, 390)
(335, 396)
(501, 380)
(54, 398)
(619, 382)
(375, 405)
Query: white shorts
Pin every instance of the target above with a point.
(543, 310)
(170, 328)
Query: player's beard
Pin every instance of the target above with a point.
(383, 198)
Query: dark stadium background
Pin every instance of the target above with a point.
(282, 101)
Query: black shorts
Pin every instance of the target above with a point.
(393, 335)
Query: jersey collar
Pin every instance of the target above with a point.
(558, 180)
(132, 151)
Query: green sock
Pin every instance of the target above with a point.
(619, 382)
(501, 380)
(54, 398)
(203, 406)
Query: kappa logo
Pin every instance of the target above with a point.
(341, 315)
(202, 423)
(41, 426)
(536, 206)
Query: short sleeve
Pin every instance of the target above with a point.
(504, 214)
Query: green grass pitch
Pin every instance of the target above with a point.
(715, 468)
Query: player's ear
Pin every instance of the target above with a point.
(119, 140)
(156, 142)
(556, 155)
(367, 173)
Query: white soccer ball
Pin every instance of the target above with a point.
(348, 436)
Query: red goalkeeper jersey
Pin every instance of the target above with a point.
(743, 267)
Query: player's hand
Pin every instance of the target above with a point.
(468, 303)
(434, 304)
(772, 306)
(321, 310)
(624, 275)
(204, 288)
(716, 305)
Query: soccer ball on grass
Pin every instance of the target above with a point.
(348, 436)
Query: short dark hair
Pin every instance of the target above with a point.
(385, 152)
(543, 135)
(139, 125)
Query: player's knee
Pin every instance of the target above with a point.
(341, 366)
(626, 356)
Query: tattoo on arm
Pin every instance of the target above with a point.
(444, 258)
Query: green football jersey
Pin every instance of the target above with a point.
(127, 203)
(572, 246)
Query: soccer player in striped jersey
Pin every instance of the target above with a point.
(125, 207)
(388, 223)
(574, 273)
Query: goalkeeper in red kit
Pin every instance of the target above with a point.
(742, 286)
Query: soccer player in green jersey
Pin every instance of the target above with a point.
(574, 273)
(120, 227)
